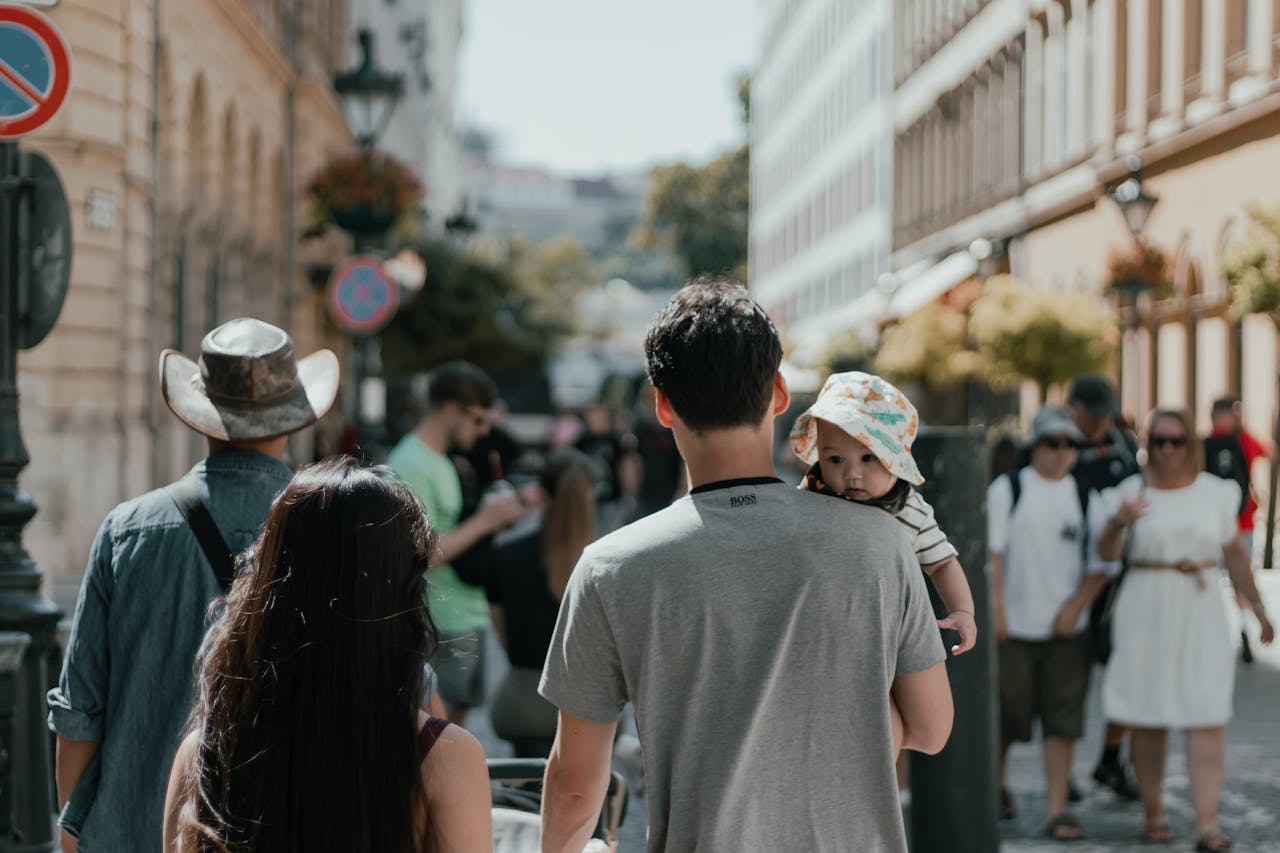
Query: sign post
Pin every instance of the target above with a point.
(35, 255)
(362, 298)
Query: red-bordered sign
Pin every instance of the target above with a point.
(362, 297)
(35, 70)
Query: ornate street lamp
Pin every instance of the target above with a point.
(1134, 201)
(369, 94)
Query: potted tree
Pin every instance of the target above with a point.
(1029, 333)
(365, 192)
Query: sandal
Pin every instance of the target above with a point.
(1007, 811)
(1157, 833)
(1213, 841)
(1064, 827)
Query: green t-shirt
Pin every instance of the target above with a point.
(456, 607)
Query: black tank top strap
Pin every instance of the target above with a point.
(429, 734)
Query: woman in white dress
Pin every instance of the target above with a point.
(1172, 666)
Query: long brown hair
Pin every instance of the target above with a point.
(1195, 449)
(569, 522)
(307, 714)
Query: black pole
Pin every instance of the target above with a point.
(953, 793)
(22, 607)
(1269, 542)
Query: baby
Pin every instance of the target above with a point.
(857, 440)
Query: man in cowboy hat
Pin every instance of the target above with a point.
(157, 562)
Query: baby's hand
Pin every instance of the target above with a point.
(961, 621)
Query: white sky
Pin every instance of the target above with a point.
(591, 86)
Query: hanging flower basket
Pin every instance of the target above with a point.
(365, 192)
(1137, 269)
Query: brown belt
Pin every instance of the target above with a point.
(1186, 567)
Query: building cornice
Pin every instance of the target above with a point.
(251, 31)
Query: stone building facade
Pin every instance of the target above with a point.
(189, 132)
(1014, 119)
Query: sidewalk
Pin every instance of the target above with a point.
(1250, 810)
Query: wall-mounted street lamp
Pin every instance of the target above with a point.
(369, 94)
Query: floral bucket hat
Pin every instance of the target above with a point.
(869, 409)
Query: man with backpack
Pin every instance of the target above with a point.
(1041, 525)
(155, 566)
(1229, 452)
(1107, 455)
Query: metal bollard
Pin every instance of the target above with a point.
(12, 647)
(954, 794)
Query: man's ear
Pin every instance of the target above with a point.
(662, 408)
(781, 394)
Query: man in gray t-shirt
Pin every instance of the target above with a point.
(778, 645)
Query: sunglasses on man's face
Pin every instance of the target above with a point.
(1174, 441)
(1059, 444)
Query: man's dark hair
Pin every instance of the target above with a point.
(1224, 406)
(714, 353)
(460, 382)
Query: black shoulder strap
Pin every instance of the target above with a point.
(1082, 492)
(1015, 484)
(215, 548)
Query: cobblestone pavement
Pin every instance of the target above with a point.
(1250, 810)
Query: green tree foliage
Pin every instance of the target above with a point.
(1251, 266)
(548, 279)
(469, 308)
(700, 212)
(929, 347)
(1027, 332)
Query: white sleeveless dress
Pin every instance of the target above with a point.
(1172, 664)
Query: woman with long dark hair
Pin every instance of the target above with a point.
(306, 734)
(528, 576)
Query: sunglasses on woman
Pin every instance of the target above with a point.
(1174, 441)
(1059, 444)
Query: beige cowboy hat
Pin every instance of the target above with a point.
(247, 385)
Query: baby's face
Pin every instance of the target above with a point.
(848, 467)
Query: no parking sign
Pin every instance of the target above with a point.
(362, 297)
(35, 70)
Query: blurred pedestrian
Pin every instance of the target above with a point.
(1108, 455)
(779, 646)
(156, 564)
(320, 652)
(1172, 664)
(856, 439)
(662, 475)
(1042, 525)
(528, 576)
(614, 464)
(459, 396)
(1230, 452)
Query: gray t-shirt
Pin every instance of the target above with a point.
(757, 629)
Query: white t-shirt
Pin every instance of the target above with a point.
(1040, 550)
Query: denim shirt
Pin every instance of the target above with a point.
(128, 676)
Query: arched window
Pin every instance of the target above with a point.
(230, 176)
(198, 142)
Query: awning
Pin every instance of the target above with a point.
(916, 291)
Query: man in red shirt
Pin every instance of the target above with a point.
(1229, 452)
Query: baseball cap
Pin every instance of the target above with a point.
(1094, 392)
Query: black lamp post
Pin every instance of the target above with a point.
(369, 96)
(1135, 205)
(1132, 198)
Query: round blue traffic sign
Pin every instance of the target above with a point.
(362, 297)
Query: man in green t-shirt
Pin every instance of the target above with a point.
(459, 398)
